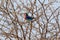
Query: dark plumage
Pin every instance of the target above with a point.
(26, 17)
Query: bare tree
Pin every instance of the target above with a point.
(45, 26)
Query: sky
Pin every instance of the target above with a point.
(54, 5)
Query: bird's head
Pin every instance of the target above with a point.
(25, 14)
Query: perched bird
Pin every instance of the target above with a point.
(27, 17)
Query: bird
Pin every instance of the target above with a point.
(27, 17)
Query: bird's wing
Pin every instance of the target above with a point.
(29, 18)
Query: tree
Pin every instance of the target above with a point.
(45, 26)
